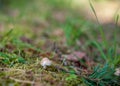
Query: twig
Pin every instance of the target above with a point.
(22, 81)
(10, 69)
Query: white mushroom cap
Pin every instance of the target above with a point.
(45, 62)
(117, 72)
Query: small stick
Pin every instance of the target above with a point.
(21, 81)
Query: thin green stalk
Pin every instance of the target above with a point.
(100, 27)
(115, 42)
(116, 20)
(6, 35)
(100, 49)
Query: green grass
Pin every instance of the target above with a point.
(111, 50)
(102, 76)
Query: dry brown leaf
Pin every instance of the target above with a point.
(59, 16)
(75, 56)
(26, 40)
(58, 32)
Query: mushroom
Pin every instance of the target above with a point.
(45, 62)
(117, 72)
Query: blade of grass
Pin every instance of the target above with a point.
(100, 27)
(116, 20)
(100, 49)
(115, 40)
(94, 11)
(6, 35)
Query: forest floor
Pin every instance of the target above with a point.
(77, 50)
